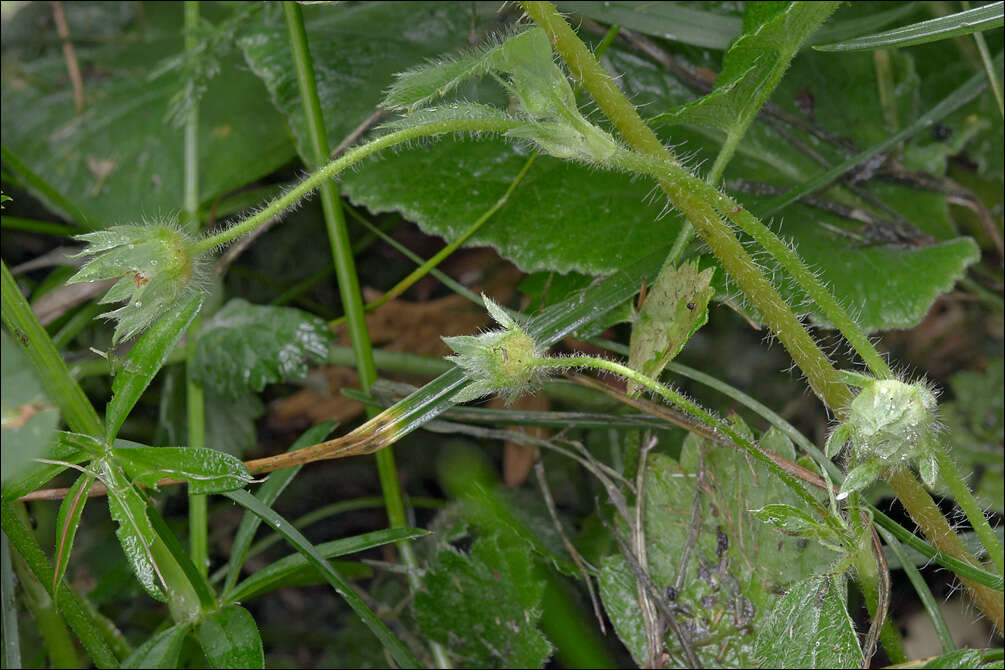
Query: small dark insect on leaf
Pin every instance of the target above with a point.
(671, 594)
(941, 132)
(721, 542)
(691, 306)
(21, 336)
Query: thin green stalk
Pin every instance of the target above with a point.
(989, 67)
(347, 160)
(349, 291)
(55, 637)
(61, 388)
(884, 82)
(424, 269)
(686, 405)
(71, 605)
(921, 588)
(195, 402)
(975, 515)
(11, 633)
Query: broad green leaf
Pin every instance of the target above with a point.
(248, 346)
(810, 628)
(162, 650)
(753, 65)
(230, 639)
(205, 470)
(120, 160)
(67, 522)
(674, 309)
(401, 655)
(968, 21)
(737, 566)
(267, 494)
(485, 605)
(145, 360)
(278, 573)
(360, 59)
(29, 419)
(699, 25)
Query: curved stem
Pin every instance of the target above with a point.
(965, 499)
(689, 406)
(347, 160)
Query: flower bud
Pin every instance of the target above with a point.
(156, 264)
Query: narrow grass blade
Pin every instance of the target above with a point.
(401, 655)
(267, 494)
(67, 522)
(11, 635)
(266, 579)
(962, 23)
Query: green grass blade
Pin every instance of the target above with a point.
(269, 577)
(11, 635)
(401, 655)
(61, 388)
(959, 97)
(962, 23)
(267, 494)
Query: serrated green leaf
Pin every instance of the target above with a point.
(738, 564)
(279, 573)
(161, 650)
(248, 346)
(485, 605)
(229, 637)
(968, 21)
(754, 61)
(29, 419)
(119, 160)
(145, 360)
(67, 522)
(205, 470)
(810, 628)
(674, 309)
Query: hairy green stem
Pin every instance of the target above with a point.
(688, 406)
(933, 524)
(348, 159)
(349, 291)
(71, 605)
(779, 250)
(820, 374)
(965, 499)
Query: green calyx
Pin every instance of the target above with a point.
(155, 264)
(500, 361)
(891, 424)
